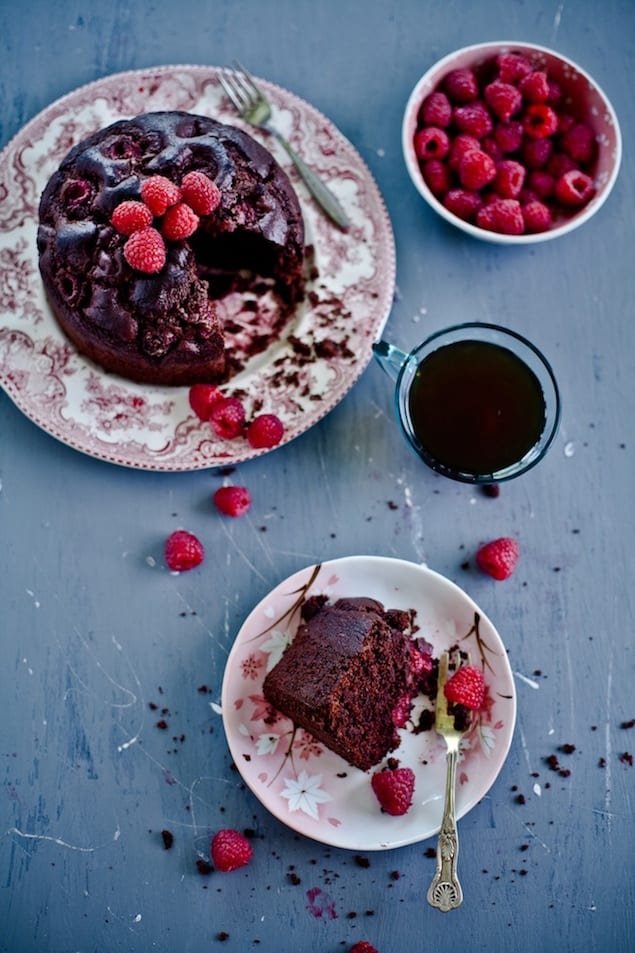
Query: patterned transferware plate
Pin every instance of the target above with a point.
(310, 788)
(304, 375)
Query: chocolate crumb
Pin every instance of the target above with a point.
(628, 724)
(627, 758)
(204, 867)
(602, 763)
(162, 724)
(491, 489)
(564, 773)
(430, 852)
(168, 838)
(294, 879)
(222, 936)
(520, 799)
(392, 505)
(361, 861)
(567, 749)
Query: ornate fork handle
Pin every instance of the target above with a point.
(320, 192)
(445, 890)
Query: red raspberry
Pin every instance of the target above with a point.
(466, 687)
(541, 183)
(179, 222)
(510, 178)
(555, 92)
(537, 152)
(227, 418)
(431, 143)
(499, 557)
(393, 789)
(232, 500)
(183, 551)
(565, 122)
(145, 251)
(473, 119)
(230, 850)
(503, 99)
(131, 216)
(536, 216)
(436, 176)
(574, 188)
(266, 430)
(201, 194)
(401, 712)
(461, 86)
(535, 87)
(512, 67)
(363, 946)
(578, 143)
(436, 110)
(462, 203)
(202, 398)
(459, 147)
(539, 120)
(159, 194)
(508, 135)
(559, 163)
(477, 170)
(501, 215)
(491, 147)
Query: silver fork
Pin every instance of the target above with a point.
(445, 891)
(254, 107)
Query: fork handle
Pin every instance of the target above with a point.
(320, 192)
(445, 890)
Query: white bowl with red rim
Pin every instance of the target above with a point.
(582, 98)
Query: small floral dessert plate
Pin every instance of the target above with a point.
(301, 376)
(313, 790)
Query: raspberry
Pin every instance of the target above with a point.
(503, 99)
(535, 87)
(363, 946)
(477, 170)
(501, 215)
(499, 557)
(145, 251)
(179, 222)
(508, 135)
(131, 216)
(401, 712)
(266, 430)
(393, 789)
(230, 850)
(461, 86)
(541, 183)
(202, 398)
(436, 110)
(565, 122)
(512, 67)
(555, 92)
(159, 194)
(537, 152)
(466, 687)
(473, 119)
(510, 178)
(431, 143)
(436, 177)
(463, 203)
(536, 216)
(559, 164)
(460, 146)
(183, 551)
(201, 194)
(574, 188)
(491, 147)
(539, 121)
(232, 500)
(578, 143)
(227, 418)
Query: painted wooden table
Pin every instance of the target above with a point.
(101, 644)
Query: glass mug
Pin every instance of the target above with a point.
(477, 402)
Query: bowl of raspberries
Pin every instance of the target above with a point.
(511, 142)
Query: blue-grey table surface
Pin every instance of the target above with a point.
(93, 626)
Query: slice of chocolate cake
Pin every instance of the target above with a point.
(347, 676)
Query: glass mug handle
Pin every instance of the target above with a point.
(389, 358)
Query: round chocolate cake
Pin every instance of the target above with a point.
(149, 315)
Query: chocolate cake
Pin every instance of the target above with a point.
(347, 675)
(163, 328)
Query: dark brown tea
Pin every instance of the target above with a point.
(475, 407)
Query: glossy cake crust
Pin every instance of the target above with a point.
(163, 328)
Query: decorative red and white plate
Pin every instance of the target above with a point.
(310, 788)
(323, 351)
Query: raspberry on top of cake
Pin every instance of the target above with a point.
(349, 676)
(148, 221)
